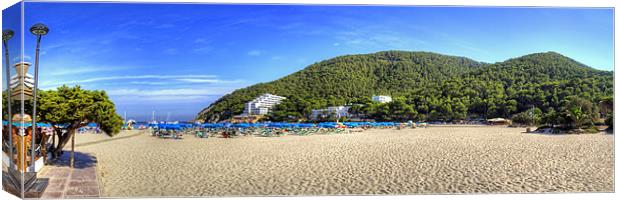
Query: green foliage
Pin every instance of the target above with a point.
(75, 106)
(575, 113)
(578, 112)
(72, 106)
(610, 122)
(397, 110)
(607, 106)
(531, 116)
(591, 129)
(552, 118)
(430, 86)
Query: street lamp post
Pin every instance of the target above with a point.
(6, 36)
(39, 30)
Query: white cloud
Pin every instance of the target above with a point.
(150, 82)
(112, 78)
(203, 50)
(356, 41)
(163, 92)
(254, 53)
(198, 80)
(83, 70)
(171, 51)
(200, 41)
(184, 95)
(377, 38)
(131, 100)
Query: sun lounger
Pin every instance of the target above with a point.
(202, 134)
(356, 130)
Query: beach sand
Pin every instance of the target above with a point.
(435, 160)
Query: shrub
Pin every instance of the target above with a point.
(532, 116)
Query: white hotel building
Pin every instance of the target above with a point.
(262, 104)
(333, 111)
(382, 99)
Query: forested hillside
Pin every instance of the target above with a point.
(425, 86)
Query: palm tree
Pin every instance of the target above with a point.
(577, 117)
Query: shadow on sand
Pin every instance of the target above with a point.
(82, 160)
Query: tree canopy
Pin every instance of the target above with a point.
(75, 106)
(428, 86)
(72, 108)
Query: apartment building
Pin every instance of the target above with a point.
(262, 105)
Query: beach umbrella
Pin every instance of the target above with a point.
(241, 125)
(274, 125)
(41, 124)
(218, 125)
(306, 125)
(327, 125)
(351, 124)
(209, 125)
(19, 124)
(61, 125)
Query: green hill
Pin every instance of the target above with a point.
(425, 86)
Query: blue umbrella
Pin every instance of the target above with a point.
(241, 125)
(306, 125)
(26, 124)
(41, 124)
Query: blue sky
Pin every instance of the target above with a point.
(178, 59)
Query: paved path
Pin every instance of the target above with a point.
(79, 182)
(64, 182)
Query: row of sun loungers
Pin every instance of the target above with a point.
(167, 134)
(175, 131)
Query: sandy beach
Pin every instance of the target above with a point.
(434, 160)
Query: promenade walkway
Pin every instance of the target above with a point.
(65, 182)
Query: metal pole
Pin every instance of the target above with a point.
(34, 106)
(8, 99)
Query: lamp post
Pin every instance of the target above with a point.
(6, 36)
(38, 30)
